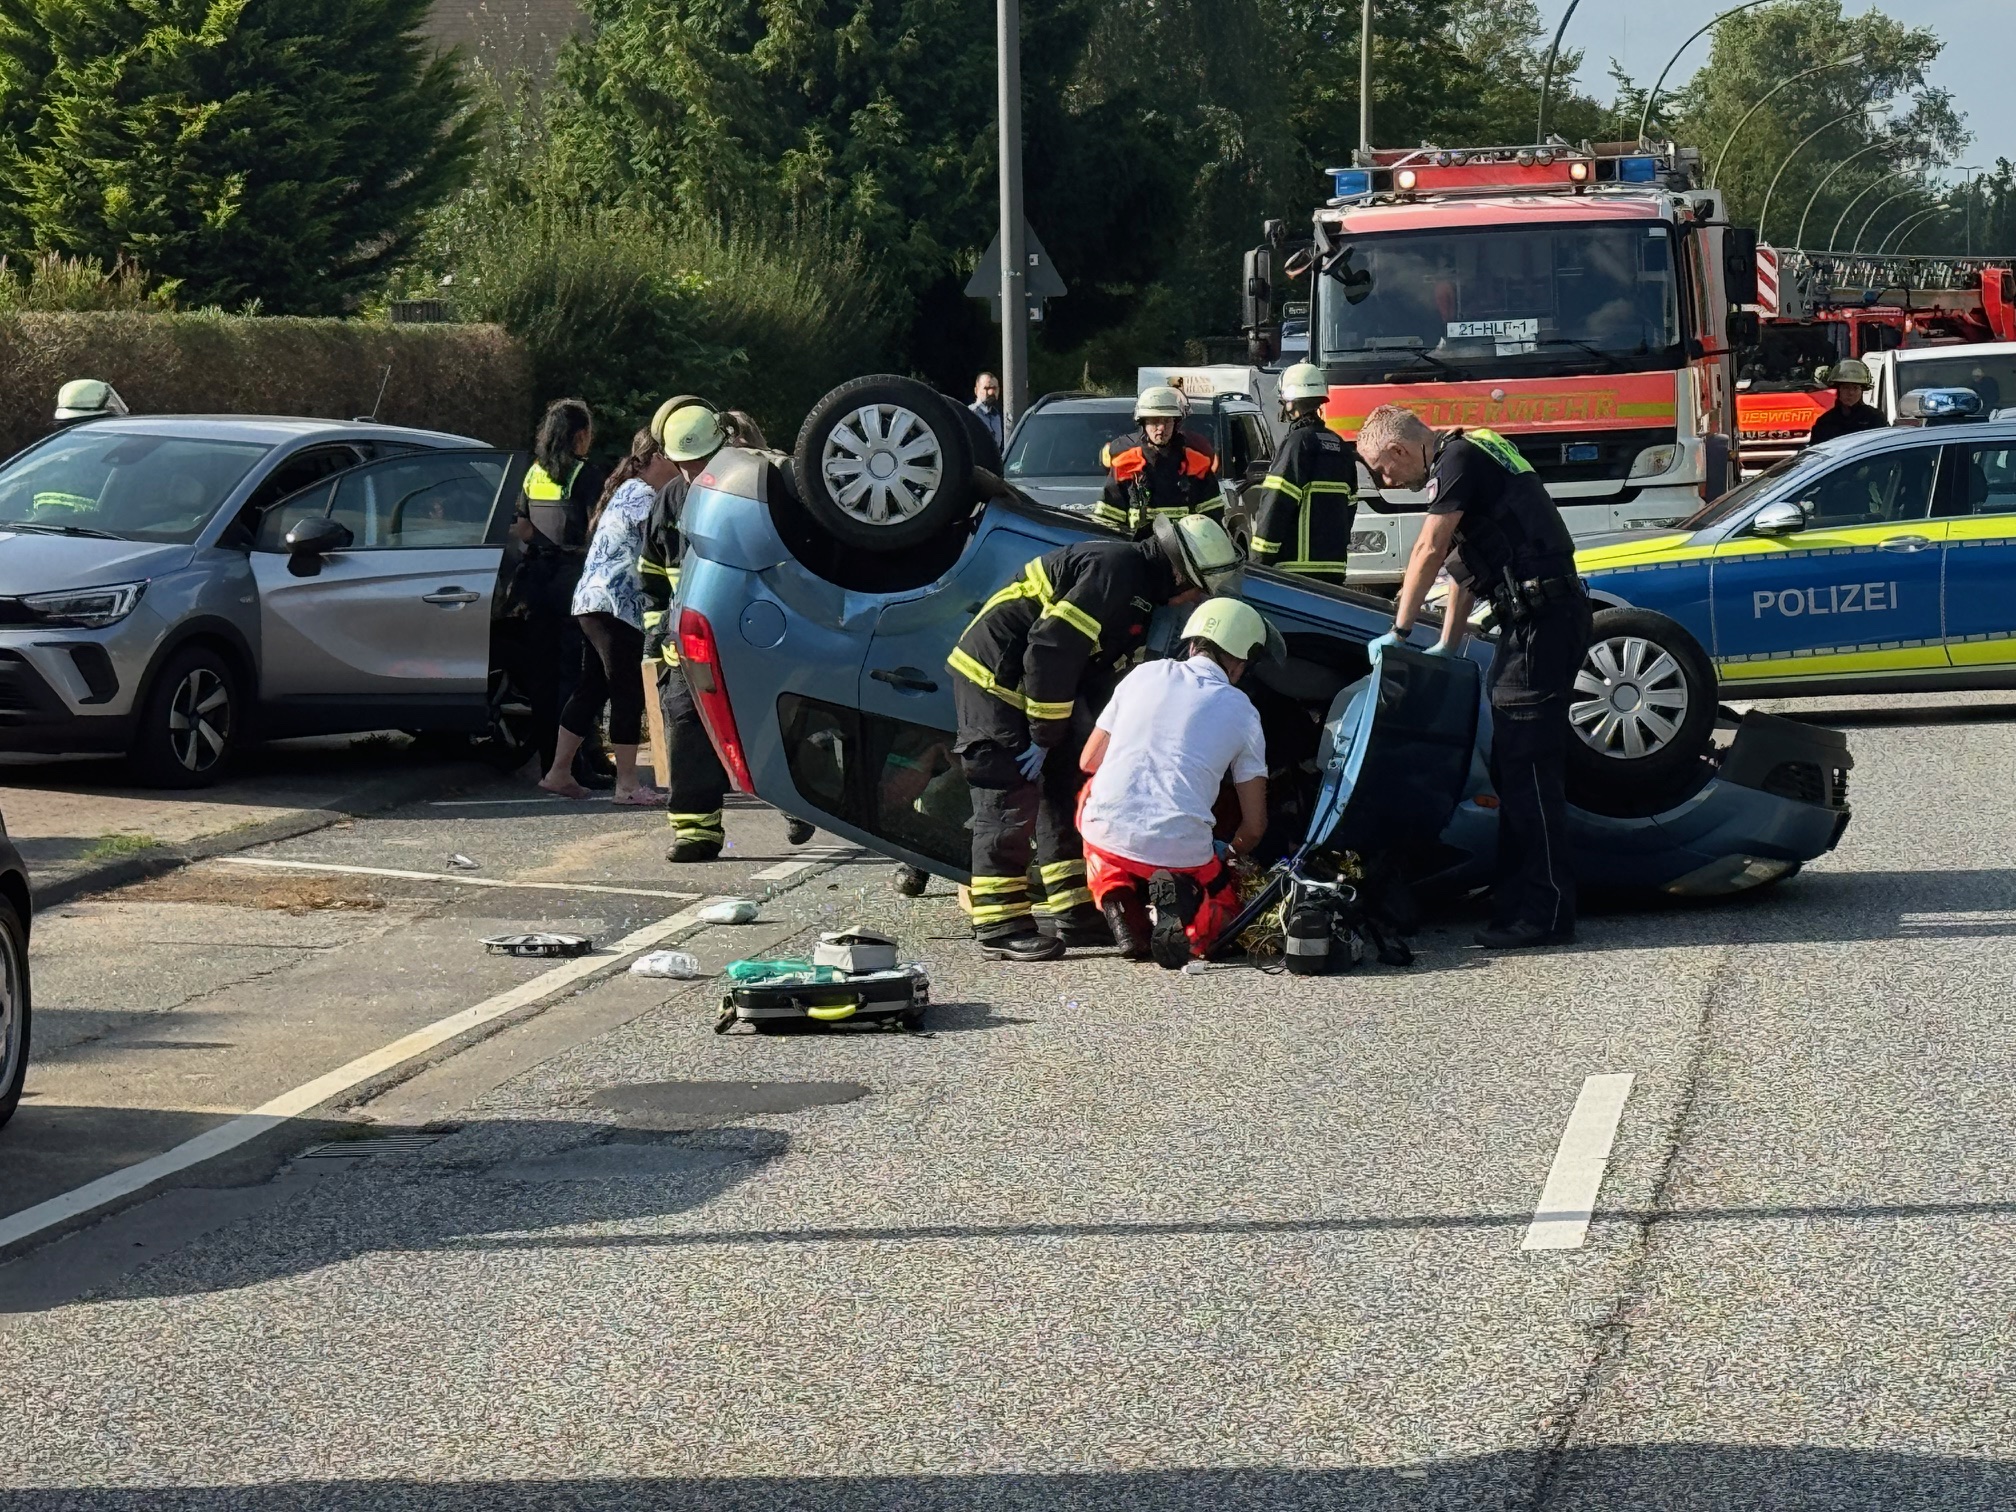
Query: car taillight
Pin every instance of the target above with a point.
(701, 659)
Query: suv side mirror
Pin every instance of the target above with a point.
(1781, 518)
(1745, 329)
(1739, 264)
(311, 540)
(1256, 297)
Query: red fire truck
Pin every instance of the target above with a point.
(1818, 307)
(1584, 301)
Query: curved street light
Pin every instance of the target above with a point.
(1970, 169)
(1715, 175)
(1834, 236)
(1646, 115)
(1869, 220)
(1895, 240)
(1547, 74)
(1804, 142)
(1799, 236)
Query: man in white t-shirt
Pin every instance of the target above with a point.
(1170, 736)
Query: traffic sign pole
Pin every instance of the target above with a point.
(1014, 254)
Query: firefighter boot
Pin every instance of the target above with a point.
(1126, 911)
(1176, 901)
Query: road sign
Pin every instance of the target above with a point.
(1042, 281)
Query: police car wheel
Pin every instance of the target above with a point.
(1643, 705)
(883, 464)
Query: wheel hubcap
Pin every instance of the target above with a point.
(1630, 698)
(882, 464)
(199, 720)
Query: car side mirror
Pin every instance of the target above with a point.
(311, 540)
(1745, 329)
(1781, 518)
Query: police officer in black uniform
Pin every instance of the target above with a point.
(1030, 674)
(1491, 519)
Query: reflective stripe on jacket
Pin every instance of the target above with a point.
(1308, 503)
(1145, 481)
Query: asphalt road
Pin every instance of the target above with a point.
(1106, 1237)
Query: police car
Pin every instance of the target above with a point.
(1877, 563)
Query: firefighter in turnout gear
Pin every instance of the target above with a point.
(1030, 673)
(1490, 518)
(1158, 472)
(691, 431)
(1310, 497)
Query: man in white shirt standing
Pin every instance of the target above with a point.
(1170, 736)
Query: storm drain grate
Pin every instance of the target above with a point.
(365, 1149)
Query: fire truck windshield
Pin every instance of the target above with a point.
(1787, 356)
(1502, 302)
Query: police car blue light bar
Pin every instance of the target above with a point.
(1637, 170)
(1939, 404)
(1350, 183)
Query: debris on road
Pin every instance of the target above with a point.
(856, 949)
(544, 946)
(730, 911)
(462, 863)
(678, 965)
(802, 994)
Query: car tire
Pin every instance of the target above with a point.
(15, 999)
(1642, 712)
(512, 738)
(191, 721)
(884, 464)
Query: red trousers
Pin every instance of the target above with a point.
(1106, 873)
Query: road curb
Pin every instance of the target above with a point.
(371, 798)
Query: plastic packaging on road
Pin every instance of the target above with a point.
(729, 911)
(784, 970)
(676, 964)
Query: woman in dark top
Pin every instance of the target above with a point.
(561, 490)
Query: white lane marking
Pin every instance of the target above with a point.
(1569, 1198)
(246, 1127)
(529, 798)
(803, 863)
(459, 880)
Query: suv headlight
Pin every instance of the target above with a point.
(1655, 460)
(90, 608)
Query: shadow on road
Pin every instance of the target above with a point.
(1669, 1477)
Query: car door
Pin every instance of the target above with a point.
(402, 614)
(1979, 558)
(1856, 592)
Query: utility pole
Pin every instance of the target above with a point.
(1014, 255)
(1365, 86)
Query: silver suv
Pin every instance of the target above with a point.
(172, 586)
(1053, 456)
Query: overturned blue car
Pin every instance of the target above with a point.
(823, 589)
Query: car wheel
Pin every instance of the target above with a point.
(512, 737)
(189, 726)
(14, 1004)
(883, 464)
(1643, 708)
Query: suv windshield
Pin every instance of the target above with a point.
(1060, 443)
(1991, 375)
(114, 483)
(1502, 301)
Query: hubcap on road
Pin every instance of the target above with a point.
(882, 464)
(199, 720)
(1630, 697)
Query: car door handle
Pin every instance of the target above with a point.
(450, 596)
(1903, 543)
(909, 679)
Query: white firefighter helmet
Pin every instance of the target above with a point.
(1202, 554)
(1236, 628)
(88, 399)
(1303, 381)
(691, 432)
(1161, 402)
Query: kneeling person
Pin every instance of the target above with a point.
(1171, 735)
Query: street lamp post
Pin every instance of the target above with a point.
(1715, 175)
(1547, 73)
(1365, 84)
(1646, 115)
(1967, 188)
(1882, 205)
(1834, 236)
(1799, 236)
(1895, 240)
(1803, 143)
(1014, 252)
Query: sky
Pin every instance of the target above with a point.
(1974, 65)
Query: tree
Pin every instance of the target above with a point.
(278, 151)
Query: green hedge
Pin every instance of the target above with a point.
(474, 380)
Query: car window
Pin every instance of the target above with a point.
(896, 780)
(1878, 490)
(1054, 443)
(1238, 449)
(1258, 448)
(1986, 478)
(291, 476)
(424, 499)
(113, 482)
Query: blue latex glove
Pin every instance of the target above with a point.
(1030, 762)
(1390, 638)
(1225, 852)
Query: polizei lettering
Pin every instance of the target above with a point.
(1839, 598)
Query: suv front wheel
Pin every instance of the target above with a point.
(190, 725)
